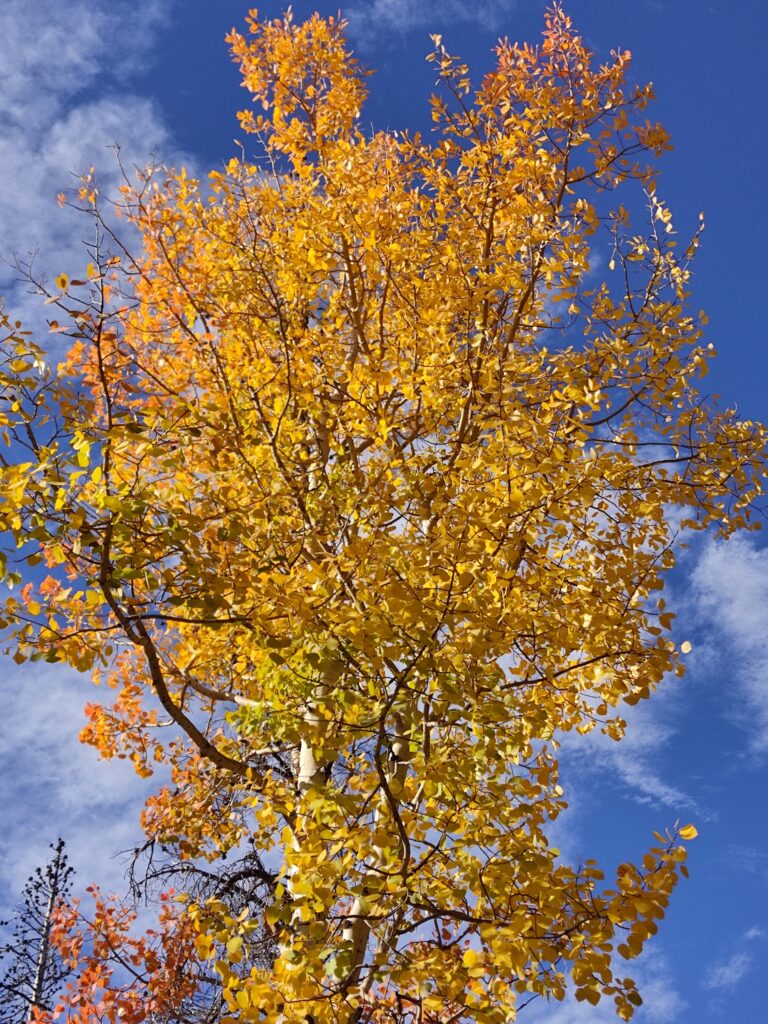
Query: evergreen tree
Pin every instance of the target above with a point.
(32, 970)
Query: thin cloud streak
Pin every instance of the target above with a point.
(368, 18)
(727, 975)
(634, 760)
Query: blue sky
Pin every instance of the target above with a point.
(154, 75)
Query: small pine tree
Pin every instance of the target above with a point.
(31, 970)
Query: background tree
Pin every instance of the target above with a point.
(358, 487)
(33, 969)
(127, 978)
(132, 978)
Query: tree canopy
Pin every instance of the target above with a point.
(357, 488)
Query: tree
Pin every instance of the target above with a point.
(127, 978)
(158, 977)
(358, 487)
(33, 970)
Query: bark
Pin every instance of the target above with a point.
(358, 932)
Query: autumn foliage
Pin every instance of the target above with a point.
(121, 978)
(357, 489)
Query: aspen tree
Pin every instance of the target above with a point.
(358, 486)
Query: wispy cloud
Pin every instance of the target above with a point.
(368, 18)
(728, 974)
(729, 600)
(67, 94)
(52, 785)
(662, 1002)
(571, 1012)
(750, 859)
(724, 607)
(635, 760)
(52, 53)
(64, 102)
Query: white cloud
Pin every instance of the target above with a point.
(65, 99)
(725, 610)
(635, 757)
(50, 53)
(34, 168)
(662, 1003)
(571, 1012)
(755, 932)
(367, 18)
(63, 104)
(729, 603)
(728, 974)
(51, 785)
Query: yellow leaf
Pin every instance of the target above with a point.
(688, 832)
